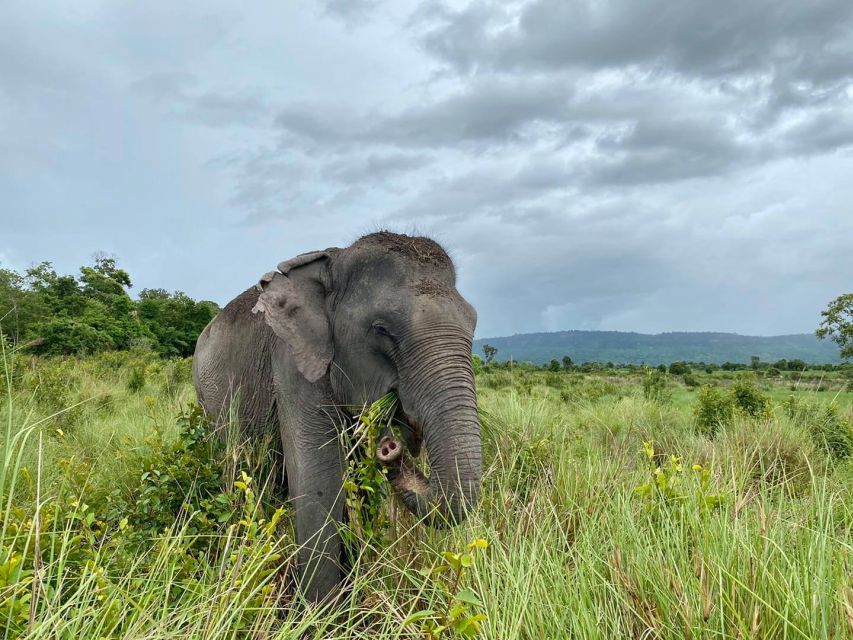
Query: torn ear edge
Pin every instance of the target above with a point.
(295, 309)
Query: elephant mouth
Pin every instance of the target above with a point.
(407, 431)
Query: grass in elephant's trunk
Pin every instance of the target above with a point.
(366, 484)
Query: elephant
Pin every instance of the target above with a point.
(330, 332)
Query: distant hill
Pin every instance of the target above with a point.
(636, 348)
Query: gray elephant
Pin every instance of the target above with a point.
(329, 332)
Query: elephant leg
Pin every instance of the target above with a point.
(314, 464)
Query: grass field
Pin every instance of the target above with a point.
(608, 511)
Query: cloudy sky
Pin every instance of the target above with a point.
(651, 166)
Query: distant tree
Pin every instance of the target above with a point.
(782, 364)
(568, 365)
(837, 324)
(19, 307)
(62, 314)
(754, 361)
(679, 368)
(796, 365)
(490, 352)
(661, 368)
(554, 365)
(175, 320)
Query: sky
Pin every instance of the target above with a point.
(611, 164)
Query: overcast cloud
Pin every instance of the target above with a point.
(648, 166)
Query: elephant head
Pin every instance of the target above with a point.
(384, 315)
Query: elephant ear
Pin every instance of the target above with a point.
(293, 302)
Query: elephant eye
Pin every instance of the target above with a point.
(381, 329)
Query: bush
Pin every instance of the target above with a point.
(554, 380)
(748, 399)
(136, 380)
(830, 431)
(64, 336)
(679, 368)
(589, 389)
(496, 380)
(176, 373)
(713, 410)
(690, 381)
(655, 387)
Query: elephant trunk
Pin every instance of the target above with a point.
(440, 399)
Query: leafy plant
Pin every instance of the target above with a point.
(749, 400)
(461, 611)
(667, 484)
(136, 380)
(830, 431)
(655, 386)
(713, 410)
(366, 484)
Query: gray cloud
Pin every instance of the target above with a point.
(693, 38)
(619, 165)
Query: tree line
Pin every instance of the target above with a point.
(836, 325)
(47, 313)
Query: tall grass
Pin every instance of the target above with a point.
(755, 543)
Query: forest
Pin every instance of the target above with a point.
(52, 314)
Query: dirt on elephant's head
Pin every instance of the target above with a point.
(419, 248)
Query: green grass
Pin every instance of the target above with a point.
(141, 532)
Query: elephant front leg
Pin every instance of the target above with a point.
(314, 463)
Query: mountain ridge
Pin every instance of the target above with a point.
(632, 347)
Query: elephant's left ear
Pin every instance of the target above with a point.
(293, 301)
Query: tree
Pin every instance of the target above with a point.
(62, 314)
(19, 308)
(796, 365)
(174, 319)
(837, 324)
(754, 362)
(679, 368)
(568, 365)
(554, 365)
(490, 352)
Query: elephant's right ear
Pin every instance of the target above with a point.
(293, 301)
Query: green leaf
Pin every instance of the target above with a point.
(469, 597)
(417, 616)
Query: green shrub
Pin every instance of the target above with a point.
(713, 410)
(690, 381)
(591, 389)
(178, 480)
(679, 368)
(655, 386)
(830, 431)
(496, 380)
(748, 399)
(555, 380)
(177, 373)
(136, 380)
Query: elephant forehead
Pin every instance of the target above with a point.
(426, 286)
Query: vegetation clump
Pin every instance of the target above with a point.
(52, 314)
(127, 515)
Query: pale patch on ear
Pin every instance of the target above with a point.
(294, 308)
